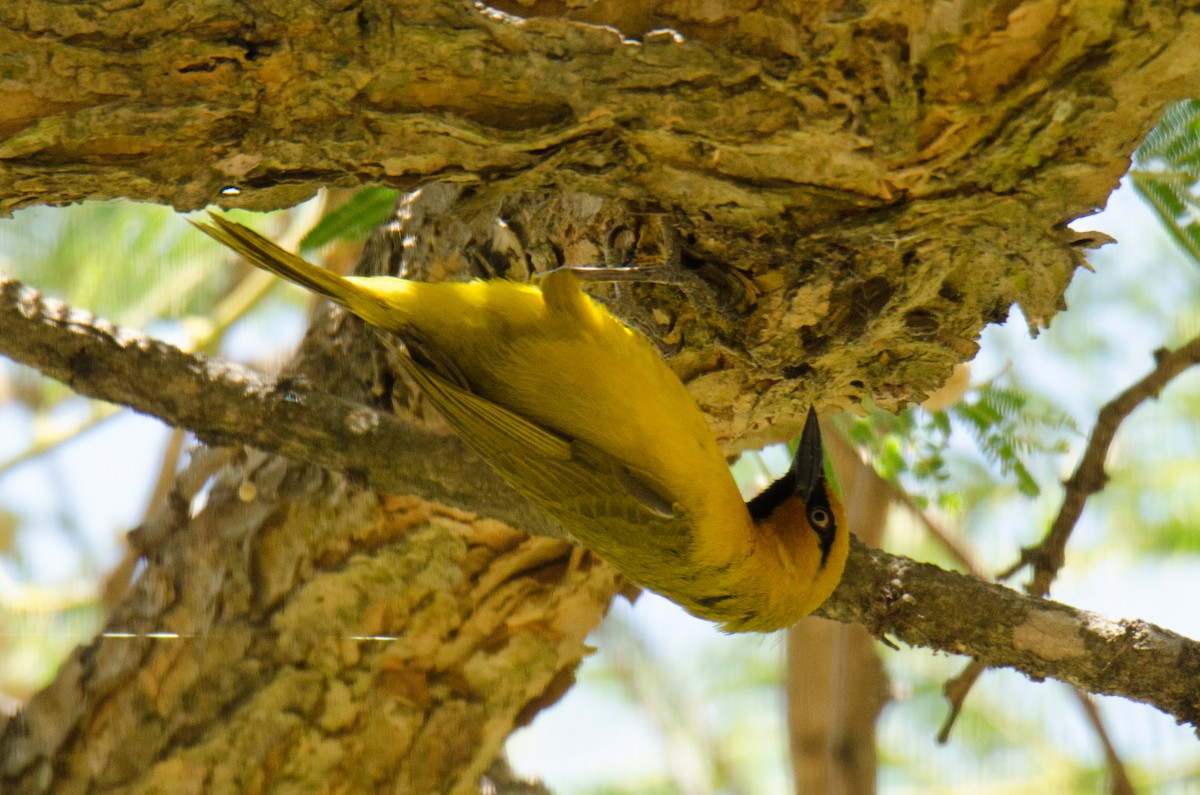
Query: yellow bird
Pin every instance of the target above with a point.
(580, 414)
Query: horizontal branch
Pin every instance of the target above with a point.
(917, 603)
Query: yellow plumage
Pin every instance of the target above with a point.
(580, 414)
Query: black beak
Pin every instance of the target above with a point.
(803, 479)
(809, 464)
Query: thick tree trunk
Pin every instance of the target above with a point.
(844, 196)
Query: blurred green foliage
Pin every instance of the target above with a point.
(362, 212)
(1006, 426)
(1166, 173)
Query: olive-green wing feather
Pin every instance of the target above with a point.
(593, 495)
(483, 424)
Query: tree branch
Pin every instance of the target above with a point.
(923, 605)
(224, 404)
(881, 184)
(1049, 555)
(920, 604)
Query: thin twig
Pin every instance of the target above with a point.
(1048, 556)
(953, 545)
(119, 579)
(100, 415)
(955, 690)
(1121, 784)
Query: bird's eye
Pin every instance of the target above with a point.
(818, 517)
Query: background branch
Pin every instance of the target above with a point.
(1049, 555)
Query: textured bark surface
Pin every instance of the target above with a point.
(860, 187)
(844, 194)
(328, 640)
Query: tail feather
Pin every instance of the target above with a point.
(265, 254)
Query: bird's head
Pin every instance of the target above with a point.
(802, 539)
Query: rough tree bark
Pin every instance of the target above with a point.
(846, 194)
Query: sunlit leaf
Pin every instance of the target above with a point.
(366, 210)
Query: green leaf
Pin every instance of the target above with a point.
(366, 210)
(1175, 139)
(1167, 176)
(1170, 196)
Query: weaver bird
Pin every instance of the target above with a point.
(580, 414)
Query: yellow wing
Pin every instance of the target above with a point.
(597, 498)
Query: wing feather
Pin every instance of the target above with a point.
(595, 497)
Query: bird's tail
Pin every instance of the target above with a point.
(268, 256)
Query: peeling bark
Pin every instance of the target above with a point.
(876, 182)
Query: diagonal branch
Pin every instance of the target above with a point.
(1049, 556)
(224, 403)
(920, 604)
(956, 689)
